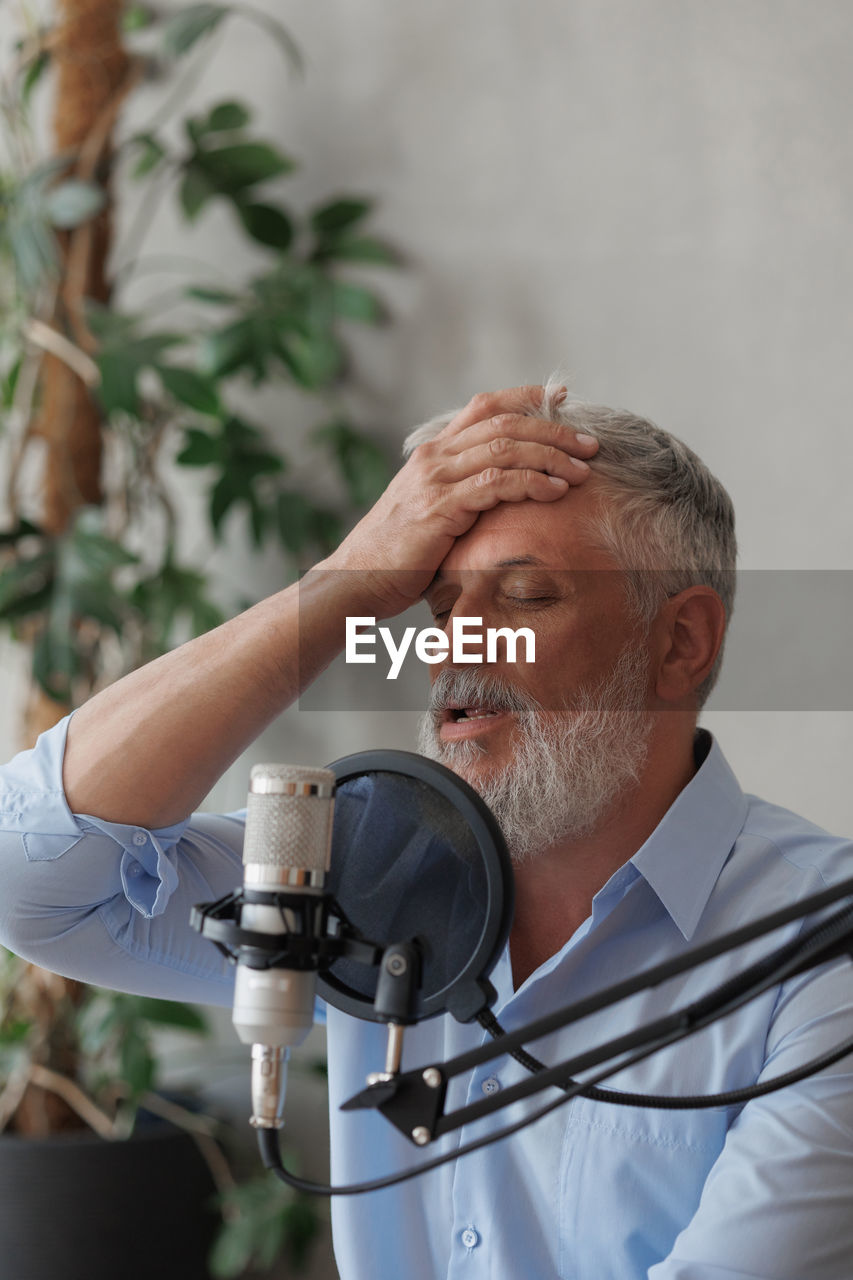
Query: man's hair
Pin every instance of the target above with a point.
(671, 524)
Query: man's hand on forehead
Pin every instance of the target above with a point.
(494, 450)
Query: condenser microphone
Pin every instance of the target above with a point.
(285, 858)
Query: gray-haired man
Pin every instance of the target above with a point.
(631, 837)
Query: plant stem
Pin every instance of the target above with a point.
(49, 339)
(79, 1102)
(201, 1130)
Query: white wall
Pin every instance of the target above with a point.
(654, 196)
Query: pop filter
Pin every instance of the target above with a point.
(417, 855)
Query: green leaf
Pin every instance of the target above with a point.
(14, 1032)
(112, 327)
(23, 529)
(266, 224)
(222, 498)
(10, 381)
(328, 528)
(195, 128)
(101, 602)
(243, 164)
(228, 115)
(24, 585)
(204, 616)
(190, 388)
(188, 25)
(229, 349)
(270, 1238)
(243, 460)
(200, 449)
(233, 1249)
(117, 390)
(122, 358)
(353, 302)
(302, 1229)
(338, 215)
(170, 593)
(314, 360)
(98, 553)
(136, 17)
(137, 1061)
(195, 190)
(171, 1013)
(33, 250)
(248, 466)
(34, 73)
(295, 521)
(73, 202)
(366, 471)
(260, 1222)
(31, 605)
(362, 463)
(151, 153)
(218, 296)
(360, 249)
(258, 519)
(55, 663)
(246, 453)
(42, 174)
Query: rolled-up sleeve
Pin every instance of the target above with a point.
(105, 902)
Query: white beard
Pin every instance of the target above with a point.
(568, 768)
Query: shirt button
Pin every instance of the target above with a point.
(470, 1238)
(140, 838)
(492, 1085)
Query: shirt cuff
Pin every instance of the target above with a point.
(147, 867)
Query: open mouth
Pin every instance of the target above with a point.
(454, 715)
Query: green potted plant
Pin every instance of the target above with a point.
(102, 406)
(75, 1067)
(80, 1109)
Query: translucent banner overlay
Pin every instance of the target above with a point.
(788, 646)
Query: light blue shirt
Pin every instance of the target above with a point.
(594, 1191)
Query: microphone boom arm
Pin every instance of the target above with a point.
(413, 1101)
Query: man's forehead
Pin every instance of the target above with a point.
(552, 535)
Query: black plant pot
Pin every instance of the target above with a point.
(77, 1207)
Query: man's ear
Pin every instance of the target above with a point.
(688, 634)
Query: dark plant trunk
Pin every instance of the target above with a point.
(92, 76)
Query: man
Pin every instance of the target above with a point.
(631, 838)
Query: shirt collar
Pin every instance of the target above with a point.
(686, 852)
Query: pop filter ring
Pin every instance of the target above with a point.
(469, 992)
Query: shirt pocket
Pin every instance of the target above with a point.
(630, 1180)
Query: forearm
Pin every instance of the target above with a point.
(148, 749)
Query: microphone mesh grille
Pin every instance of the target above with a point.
(289, 830)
